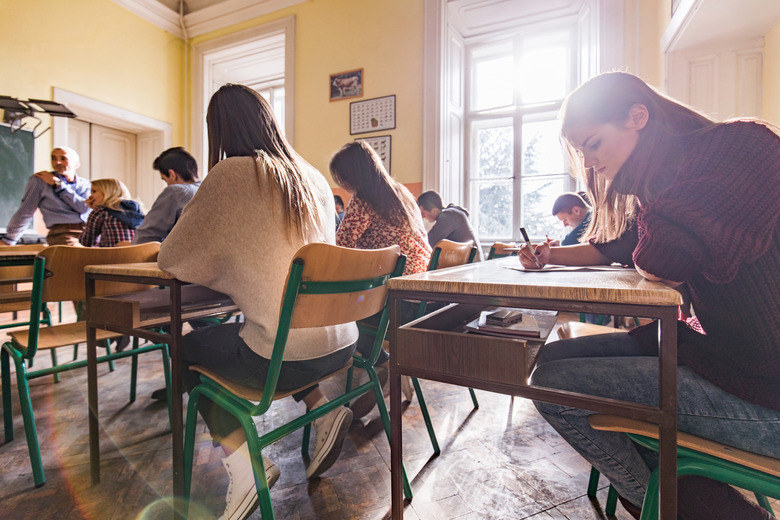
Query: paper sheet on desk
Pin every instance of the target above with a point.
(551, 267)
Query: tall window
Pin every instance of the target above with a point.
(515, 167)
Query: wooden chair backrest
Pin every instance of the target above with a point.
(23, 247)
(66, 265)
(497, 250)
(751, 460)
(18, 271)
(329, 263)
(453, 253)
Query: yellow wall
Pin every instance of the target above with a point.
(94, 48)
(771, 100)
(385, 39)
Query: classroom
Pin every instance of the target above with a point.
(461, 97)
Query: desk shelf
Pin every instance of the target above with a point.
(436, 345)
(152, 307)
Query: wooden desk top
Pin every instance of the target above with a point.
(143, 269)
(494, 278)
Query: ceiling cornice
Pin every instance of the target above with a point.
(202, 21)
(154, 12)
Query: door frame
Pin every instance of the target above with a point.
(152, 135)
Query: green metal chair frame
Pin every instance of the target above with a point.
(300, 286)
(23, 356)
(749, 471)
(432, 266)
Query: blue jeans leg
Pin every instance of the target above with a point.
(615, 366)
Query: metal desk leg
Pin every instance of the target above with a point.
(668, 403)
(396, 455)
(176, 388)
(92, 394)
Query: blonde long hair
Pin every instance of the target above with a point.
(114, 192)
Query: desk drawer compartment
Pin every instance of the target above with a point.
(437, 344)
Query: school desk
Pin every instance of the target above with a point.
(141, 314)
(434, 348)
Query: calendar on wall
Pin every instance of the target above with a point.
(372, 115)
(381, 145)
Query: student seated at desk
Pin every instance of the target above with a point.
(179, 171)
(572, 210)
(114, 214)
(381, 213)
(696, 230)
(450, 223)
(259, 204)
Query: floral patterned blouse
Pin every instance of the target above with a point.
(363, 228)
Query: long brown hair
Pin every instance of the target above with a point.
(608, 98)
(357, 167)
(241, 123)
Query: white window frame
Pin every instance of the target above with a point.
(203, 80)
(600, 34)
(517, 112)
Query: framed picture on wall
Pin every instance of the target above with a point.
(347, 84)
(381, 145)
(372, 115)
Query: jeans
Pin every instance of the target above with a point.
(222, 350)
(617, 366)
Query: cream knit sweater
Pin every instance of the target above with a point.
(231, 238)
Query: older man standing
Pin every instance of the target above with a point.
(60, 195)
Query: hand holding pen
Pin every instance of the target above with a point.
(529, 252)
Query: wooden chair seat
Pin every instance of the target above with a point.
(254, 394)
(60, 335)
(755, 461)
(576, 329)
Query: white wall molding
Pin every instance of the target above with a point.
(202, 21)
(231, 12)
(152, 135)
(155, 13)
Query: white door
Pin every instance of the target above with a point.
(78, 139)
(113, 156)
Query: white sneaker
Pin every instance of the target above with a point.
(407, 389)
(241, 499)
(330, 430)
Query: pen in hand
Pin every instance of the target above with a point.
(528, 243)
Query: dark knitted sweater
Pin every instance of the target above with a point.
(716, 229)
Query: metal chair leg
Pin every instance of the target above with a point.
(133, 371)
(426, 416)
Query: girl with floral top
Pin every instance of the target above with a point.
(114, 215)
(382, 211)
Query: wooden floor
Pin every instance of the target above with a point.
(501, 461)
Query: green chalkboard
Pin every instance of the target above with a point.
(16, 166)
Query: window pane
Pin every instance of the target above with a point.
(494, 203)
(539, 194)
(494, 152)
(493, 83)
(542, 153)
(543, 74)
